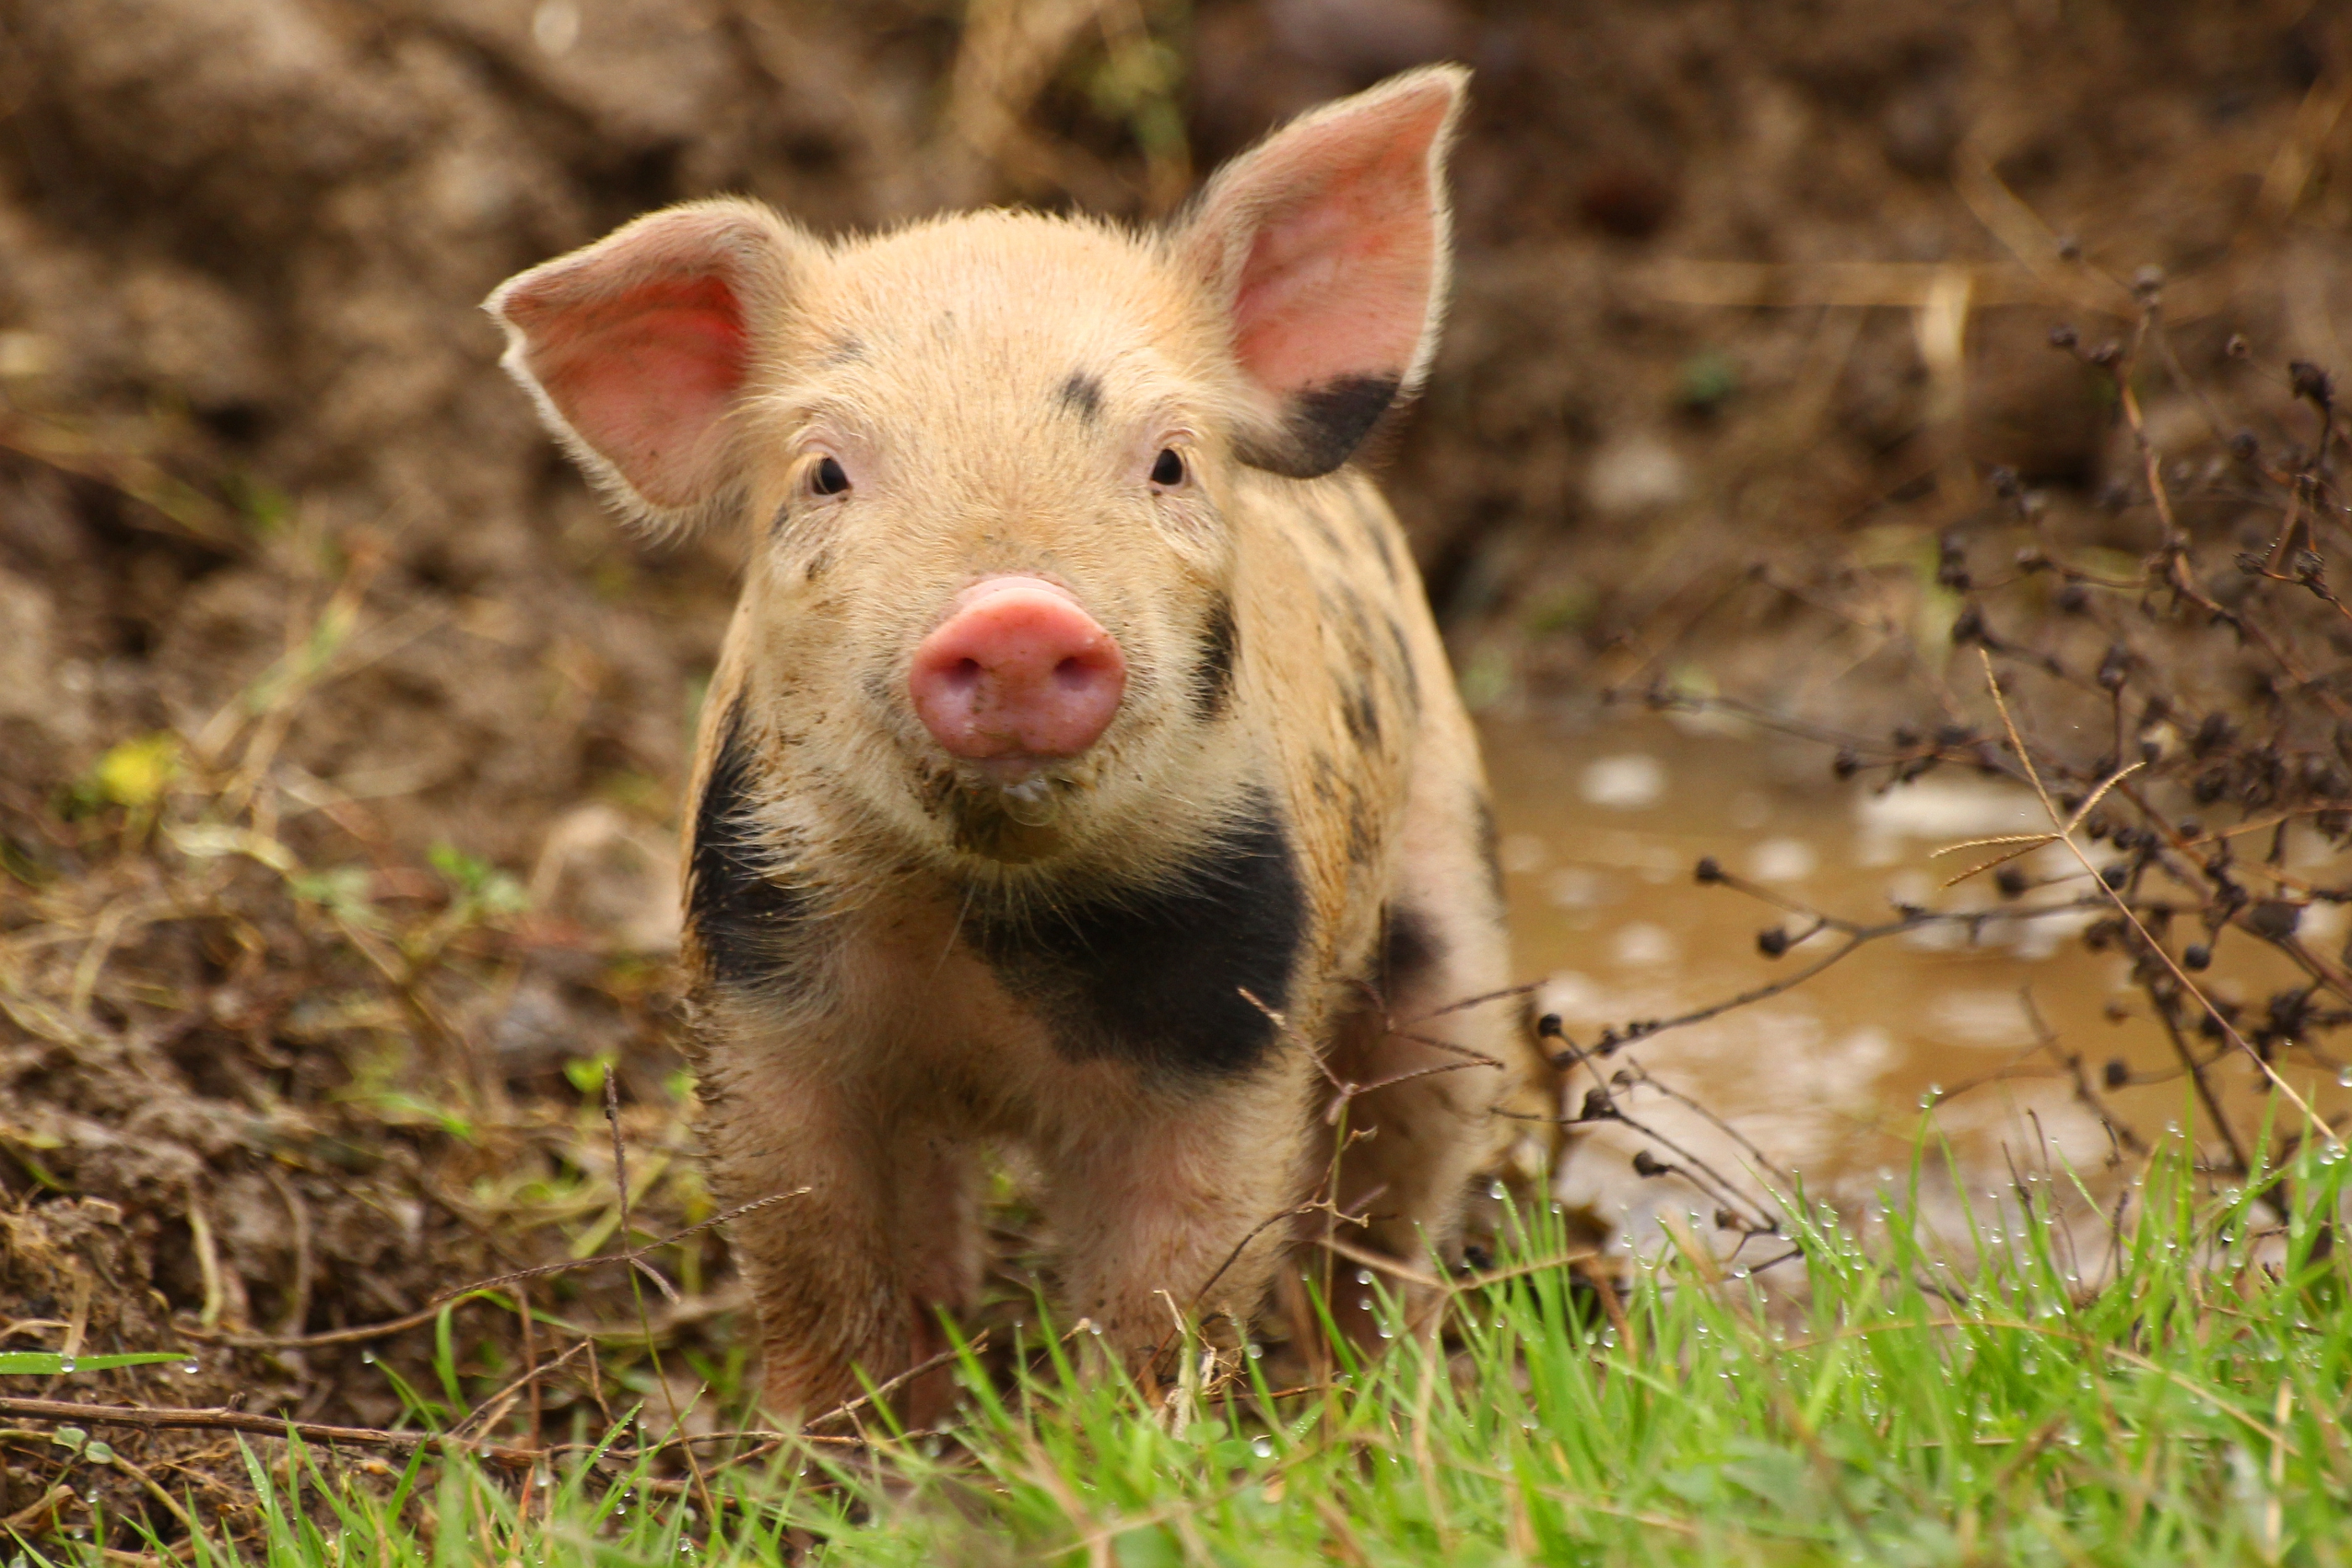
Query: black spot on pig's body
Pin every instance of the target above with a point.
(1155, 975)
(1361, 714)
(1359, 626)
(1082, 395)
(1324, 425)
(1409, 947)
(1490, 857)
(1407, 676)
(1377, 531)
(1212, 677)
(1323, 779)
(847, 351)
(740, 915)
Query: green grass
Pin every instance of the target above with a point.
(2184, 1405)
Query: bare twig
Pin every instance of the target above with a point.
(637, 1257)
(222, 1419)
(978, 1343)
(2124, 907)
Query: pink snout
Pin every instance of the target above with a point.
(1016, 670)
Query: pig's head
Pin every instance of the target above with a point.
(993, 464)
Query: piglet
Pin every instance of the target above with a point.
(1082, 777)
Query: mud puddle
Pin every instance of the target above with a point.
(1601, 826)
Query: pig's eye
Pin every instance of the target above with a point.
(830, 478)
(1167, 471)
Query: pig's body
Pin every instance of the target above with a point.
(1071, 779)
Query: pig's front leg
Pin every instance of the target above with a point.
(849, 1277)
(1177, 1203)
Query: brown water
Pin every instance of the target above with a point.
(1601, 826)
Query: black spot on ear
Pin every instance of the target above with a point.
(1212, 677)
(1154, 975)
(1082, 395)
(1409, 945)
(739, 913)
(1324, 425)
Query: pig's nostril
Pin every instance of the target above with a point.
(1074, 672)
(964, 674)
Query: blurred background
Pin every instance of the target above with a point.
(1732, 274)
(341, 731)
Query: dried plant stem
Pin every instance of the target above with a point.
(2123, 906)
(220, 1419)
(849, 1407)
(1764, 1162)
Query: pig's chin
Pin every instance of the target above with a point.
(1014, 809)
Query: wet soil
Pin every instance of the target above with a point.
(1947, 1043)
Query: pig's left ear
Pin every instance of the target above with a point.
(1326, 247)
(638, 348)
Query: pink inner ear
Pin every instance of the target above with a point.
(1338, 278)
(645, 377)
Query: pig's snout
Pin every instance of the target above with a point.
(1017, 669)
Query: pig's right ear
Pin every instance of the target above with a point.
(637, 350)
(1325, 247)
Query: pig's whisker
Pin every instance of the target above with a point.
(954, 931)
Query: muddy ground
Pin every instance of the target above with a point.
(341, 731)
